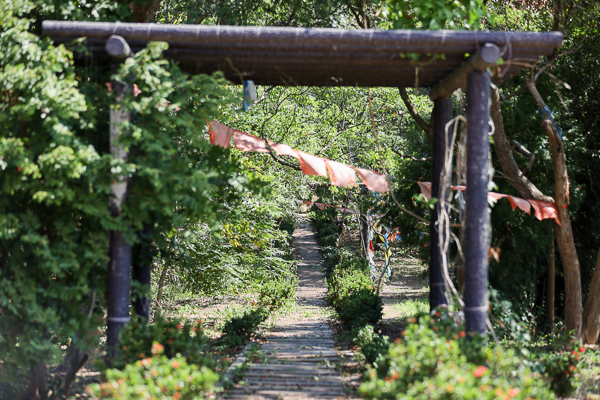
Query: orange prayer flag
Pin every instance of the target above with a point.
(375, 181)
(245, 142)
(220, 135)
(341, 174)
(283, 149)
(312, 165)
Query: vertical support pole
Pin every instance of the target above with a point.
(119, 269)
(477, 228)
(442, 113)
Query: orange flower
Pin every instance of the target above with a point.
(449, 388)
(177, 395)
(178, 326)
(154, 372)
(438, 314)
(484, 388)
(412, 320)
(572, 367)
(462, 334)
(175, 364)
(124, 348)
(480, 371)
(499, 392)
(514, 392)
(461, 379)
(142, 355)
(582, 349)
(170, 341)
(435, 328)
(398, 340)
(119, 381)
(388, 379)
(395, 376)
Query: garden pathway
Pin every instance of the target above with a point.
(299, 357)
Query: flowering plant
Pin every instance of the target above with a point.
(436, 359)
(156, 377)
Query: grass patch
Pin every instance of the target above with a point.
(412, 307)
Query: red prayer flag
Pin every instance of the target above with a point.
(312, 165)
(245, 142)
(544, 210)
(220, 134)
(341, 174)
(521, 203)
(375, 181)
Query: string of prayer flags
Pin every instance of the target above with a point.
(542, 209)
(340, 174)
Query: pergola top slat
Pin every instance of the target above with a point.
(312, 56)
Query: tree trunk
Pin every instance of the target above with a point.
(37, 390)
(591, 314)
(509, 166)
(564, 232)
(550, 283)
(161, 283)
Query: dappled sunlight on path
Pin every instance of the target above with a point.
(299, 360)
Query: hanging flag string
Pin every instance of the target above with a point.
(542, 210)
(340, 174)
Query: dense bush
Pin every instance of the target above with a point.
(238, 329)
(155, 378)
(436, 359)
(177, 339)
(277, 293)
(350, 292)
(371, 344)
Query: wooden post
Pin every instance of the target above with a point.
(442, 113)
(120, 251)
(477, 228)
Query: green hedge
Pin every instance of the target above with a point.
(436, 359)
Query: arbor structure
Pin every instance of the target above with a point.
(443, 60)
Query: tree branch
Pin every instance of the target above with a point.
(412, 157)
(144, 12)
(523, 150)
(505, 155)
(413, 113)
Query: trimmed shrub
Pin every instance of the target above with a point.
(350, 292)
(371, 344)
(277, 293)
(157, 377)
(178, 339)
(436, 359)
(238, 330)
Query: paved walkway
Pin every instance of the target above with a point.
(300, 358)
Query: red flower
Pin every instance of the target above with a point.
(582, 349)
(462, 334)
(480, 371)
(514, 392)
(178, 326)
(175, 364)
(177, 395)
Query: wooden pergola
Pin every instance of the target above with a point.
(441, 60)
